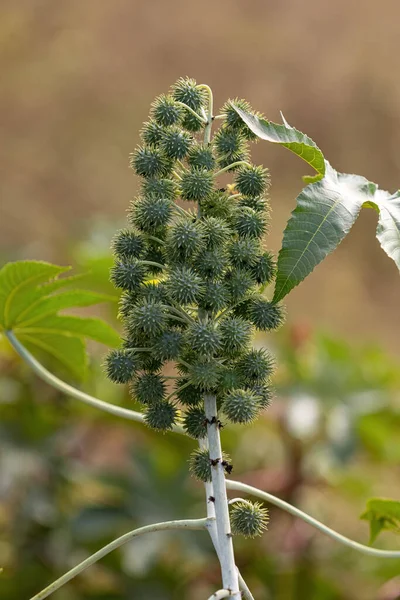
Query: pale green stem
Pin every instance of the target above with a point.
(222, 594)
(182, 387)
(182, 211)
(71, 391)
(182, 166)
(177, 175)
(151, 263)
(219, 117)
(189, 524)
(237, 485)
(180, 313)
(234, 196)
(243, 586)
(235, 164)
(156, 239)
(194, 113)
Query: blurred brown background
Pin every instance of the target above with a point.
(77, 78)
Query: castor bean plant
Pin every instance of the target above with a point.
(194, 275)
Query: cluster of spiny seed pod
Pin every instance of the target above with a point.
(192, 268)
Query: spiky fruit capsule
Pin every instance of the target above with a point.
(265, 268)
(121, 365)
(211, 264)
(234, 121)
(168, 345)
(259, 204)
(204, 338)
(128, 274)
(128, 244)
(151, 363)
(266, 315)
(201, 157)
(195, 422)
(235, 335)
(205, 374)
(264, 392)
(249, 223)
(185, 238)
(217, 205)
(175, 143)
(152, 133)
(166, 111)
(184, 286)
(256, 365)
(148, 318)
(188, 395)
(148, 388)
(244, 252)
(159, 188)
(215, 296)
(196, 184)
(153, 292)
(161, 415)
(241, 406)
(249, 519)
(150, 214)
(199, 465)
(238, 283)
(127, 303)
(186, 90)
(229, 142)
(216, 232)
(252, 180)
(230, 380)
(148, 161)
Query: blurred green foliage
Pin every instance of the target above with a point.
(73, 479)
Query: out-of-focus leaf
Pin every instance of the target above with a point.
(382, 514)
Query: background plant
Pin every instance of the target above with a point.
(129, 273)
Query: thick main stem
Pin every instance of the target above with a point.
(225, 546)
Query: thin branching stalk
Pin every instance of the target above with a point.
(57, 383)
(194, 113)
(239, 163)
(237, 485)
(189, 524)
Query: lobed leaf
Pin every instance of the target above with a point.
(289, 137)
(388, 229)
(382, 514)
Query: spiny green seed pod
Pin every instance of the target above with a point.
(148, 161)
(235, 335)
(265, 315)
(127, 303)
(185, 238)
(252, 181)
(121, 365)
(152, 133)
(153, 292)
(249, 519)
(189, 395)
(148, 388)
(241, 406)
(196, 184)
(187, 91)
(238, 283)
(211, 264)
(229, 141)
(166, 111)
(160, 188)
(128, 243)
(217, 205)
(168, 346)
(156, 256)
(199, 465)
(265, 268)
(128, 274)
(150, 214)
(264, 392)
(249, 223)
(201, 157)
(205, 374)
(215, 296)
(184, 286)
(151, 363)
(244, 252)
(230, 380)
(175, 143)
(256, 365)
(259, 204)
(234, 121)
(204, 338)
(161, 415)
(148, 317)
(216, 232)
(195, 423)
(229, 160)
